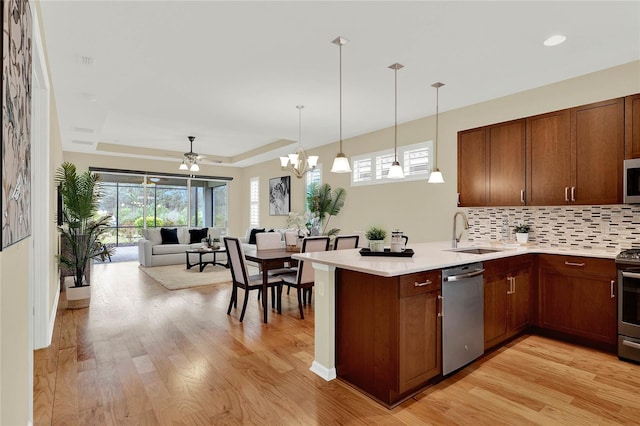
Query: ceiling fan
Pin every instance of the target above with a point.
(190, 159)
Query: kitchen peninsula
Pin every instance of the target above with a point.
(378, 319)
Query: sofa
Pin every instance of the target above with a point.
(163, 246)
(248, 241)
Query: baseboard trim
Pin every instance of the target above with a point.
(326, 373)
(52, 317)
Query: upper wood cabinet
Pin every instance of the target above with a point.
(549, 158)
(491, 165)
(632, 126)
(572, 156)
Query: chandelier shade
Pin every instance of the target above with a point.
(341, 162)
(299, 163)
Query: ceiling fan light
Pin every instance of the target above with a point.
(312, 161)
(183, 166)
(194, 167)
(341, 164)
(396, 172)
(436, 177)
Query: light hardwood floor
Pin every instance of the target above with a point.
(143, 355)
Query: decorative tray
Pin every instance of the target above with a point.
(387, 253)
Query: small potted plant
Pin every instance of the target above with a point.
(522, 233)
(376, 236)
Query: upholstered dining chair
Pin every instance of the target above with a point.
(241, 278)
(343, 242)
(270, 241)
(303, 279)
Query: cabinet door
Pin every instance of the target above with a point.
(556, 304)
(472, 168)
(505, 164)
(519, 301)
(598, 143)
(632, 126)
(419, 340)
(549, 158)
(594, 315)
(495, 310)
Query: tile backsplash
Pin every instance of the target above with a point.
(610, 227)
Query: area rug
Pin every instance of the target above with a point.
(176, 277)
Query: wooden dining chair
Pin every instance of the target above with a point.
(241, 278)
(343, 242)
(303, 279)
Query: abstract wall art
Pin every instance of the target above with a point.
(16, 122)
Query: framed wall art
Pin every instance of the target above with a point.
(280, 196)
(15, 203)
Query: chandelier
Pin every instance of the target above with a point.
(299, 163)
(190, 159)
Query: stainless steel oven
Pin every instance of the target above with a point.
(628, 263)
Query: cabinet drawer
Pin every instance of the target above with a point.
(577, 264)
(418, 283)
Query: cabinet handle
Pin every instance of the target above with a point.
(522, 196)
(458, 198)
(441, 299)
(427, 282)
(573, 194)
(513, 285)
(566, 194)
(613, 283)
(580, 265)
(510, 291)
(630, 344)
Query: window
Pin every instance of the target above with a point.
(373, 168)
(313, 177)
(254, 202)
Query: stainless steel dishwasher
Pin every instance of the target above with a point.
(462, 316)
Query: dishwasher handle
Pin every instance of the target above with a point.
(464, 276)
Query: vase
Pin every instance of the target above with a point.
(376, 245)
(522, 237)
(77, 297)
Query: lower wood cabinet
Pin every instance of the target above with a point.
(578, 297)
(506, 298)
(388, 332)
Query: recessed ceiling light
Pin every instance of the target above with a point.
(555, 40)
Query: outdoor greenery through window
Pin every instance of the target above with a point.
(373, 168)
(164, 201)
(312, 177)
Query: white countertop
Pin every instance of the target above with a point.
(438, 255)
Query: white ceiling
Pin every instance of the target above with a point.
(232, 73)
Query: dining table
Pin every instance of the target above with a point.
(269, 259)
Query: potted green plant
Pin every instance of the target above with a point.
(81, 230)
(522, 233)
(324, 203)
(376, 236)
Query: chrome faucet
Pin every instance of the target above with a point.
(465, 222)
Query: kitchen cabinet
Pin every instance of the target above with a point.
(578, 297)
(549, 158)
(573, 156)
(472, 168)
(388, 332)
(632, 126)
(506, 298)
(491, 165)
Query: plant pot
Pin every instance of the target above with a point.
(77, 297)
(522, 238)
(376, 245)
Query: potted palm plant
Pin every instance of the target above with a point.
(376, 236)
(324, 203)
(81, 230)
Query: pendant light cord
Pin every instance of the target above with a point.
(340, 97)
(395, 131)
(437, 115)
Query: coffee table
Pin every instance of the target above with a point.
(201, 252)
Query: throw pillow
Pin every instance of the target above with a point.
(252, 236)
(169, 235)
(197, 235)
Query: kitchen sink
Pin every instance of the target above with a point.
(476, 250)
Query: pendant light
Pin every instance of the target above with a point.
(396, 172)
(298, 163)
(341, 162)
(436, 175)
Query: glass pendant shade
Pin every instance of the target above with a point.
(284, 161)
(436, 177)
(396, 172)
(294, 159)
(194, 168)
(341, 164)
(183, 166)
(312, 161)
